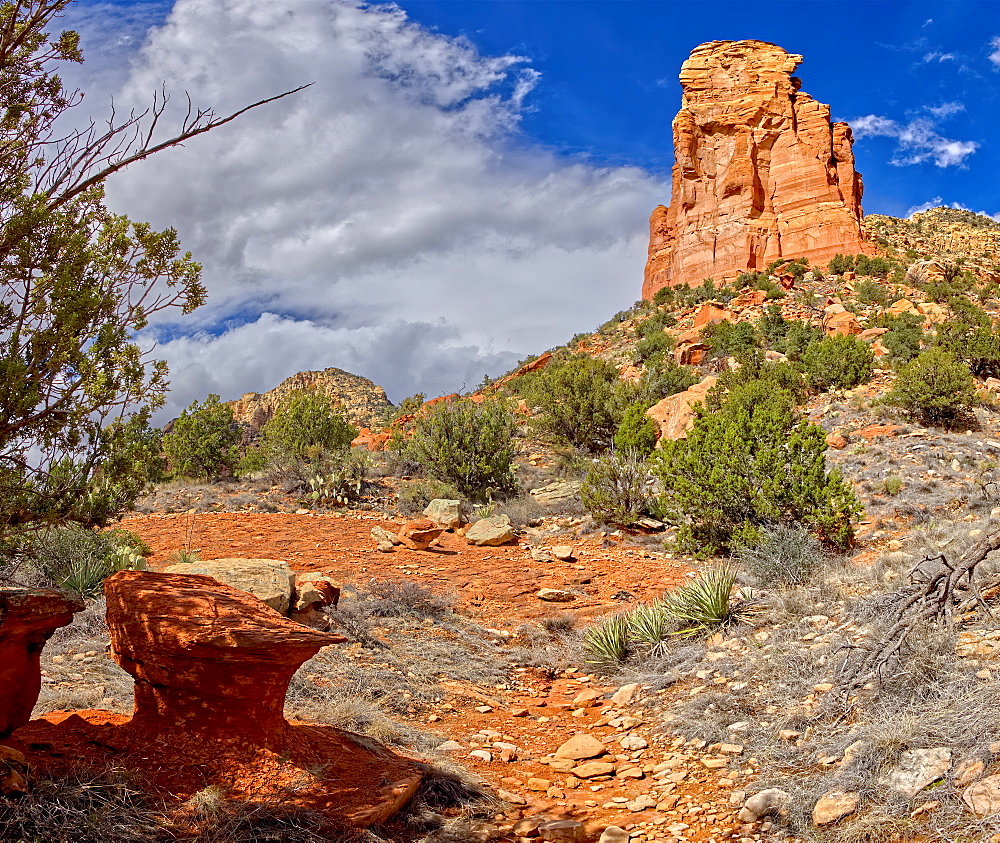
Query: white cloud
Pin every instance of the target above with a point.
(994, 56)
(946, 109)
(938, 56)
(388, 220)
(916, 142)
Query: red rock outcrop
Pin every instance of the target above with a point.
(28, 617)
(207, 658)
(760, 172)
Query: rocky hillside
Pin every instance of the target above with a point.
(364, 403)
(945, 234)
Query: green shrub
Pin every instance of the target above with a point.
(970, 337)
(581, 399)
(656, 344)
(934, 388)
(615, 490)
(871, 292)
(305, 432)
(782, 555)
(780, 374)
(839, 264)
(752, 464)
(203, 441)
(663, 377)
(906, 332)
(891, 486)
(731, 338)
(80, 559)
(637, 433)
(468, 445)
(877, 267)
(837, 363)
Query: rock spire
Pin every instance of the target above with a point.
(759, 173)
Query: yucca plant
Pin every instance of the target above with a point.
(608, 642)
(703, 602)
(651, 625)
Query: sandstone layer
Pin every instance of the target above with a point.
(362, 401)
(760, 172)
(28, 617)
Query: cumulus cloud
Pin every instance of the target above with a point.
(916, 141)
(389, 220)
(994, 55)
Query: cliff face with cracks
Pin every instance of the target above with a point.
(760, 172)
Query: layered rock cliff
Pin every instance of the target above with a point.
(362, 401)
(760, 172)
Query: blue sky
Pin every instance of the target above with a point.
(608, 88)
(467, 183)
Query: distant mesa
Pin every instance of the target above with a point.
(760, 172)
(363, 402)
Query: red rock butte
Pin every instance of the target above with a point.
(760, 172)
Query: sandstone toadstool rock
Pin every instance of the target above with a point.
(207, 658)
(28, 617)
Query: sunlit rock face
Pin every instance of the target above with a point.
(760, 172)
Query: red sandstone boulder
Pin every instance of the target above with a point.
(28, 617)
(711, 313)
(760, 172)
(207, 658)
(674, 415)
(418, 535)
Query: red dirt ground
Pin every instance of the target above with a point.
(493, 584)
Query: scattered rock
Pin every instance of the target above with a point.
(623, 696)
(983, 797)
(772, 800)
(917, 769)
(641, 803)
(633, 742)
(449, 746)
(383, 536)
(562, 552)
(592, 769)
(562, 831)
(269, 580)
(446, 513)
(13, 772)
(512, 798)
(481, 755)
(557, 492)
(418, 535)
(587, 698)
(28, 617)
(555, 595)
(614, 834)
(580, 747)
(493, 531)
(528, 826)
(538, 784)
(834, 805)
